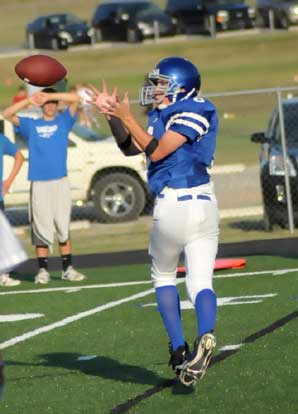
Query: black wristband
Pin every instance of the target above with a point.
(125, 144)
(151, 147)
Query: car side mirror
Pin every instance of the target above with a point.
(259, 138)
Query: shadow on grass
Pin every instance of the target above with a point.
(103, 367)
(100, 366)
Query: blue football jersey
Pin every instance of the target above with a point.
(196, 119)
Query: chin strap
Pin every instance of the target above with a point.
(188, 95)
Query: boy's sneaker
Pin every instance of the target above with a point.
(42, 276)
(72, 275)
(197, 363)
(6, 280)
(178, 357)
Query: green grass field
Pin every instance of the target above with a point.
(94, 347)
(97, 349)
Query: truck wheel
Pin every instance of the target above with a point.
(118, 197)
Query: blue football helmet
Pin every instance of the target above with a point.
(170, 76)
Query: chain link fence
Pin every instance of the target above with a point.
(255, 172)
(256, 168)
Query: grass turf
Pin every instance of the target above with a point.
(44, 374)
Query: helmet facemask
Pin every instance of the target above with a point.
(157, 89)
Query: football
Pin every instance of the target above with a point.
(40, 70)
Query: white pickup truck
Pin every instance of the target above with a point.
(98, 173)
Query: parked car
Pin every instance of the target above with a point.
(57, 31)
(193, 16)
(131, 21)
(98, 171)
(285, 13)
(272, 172)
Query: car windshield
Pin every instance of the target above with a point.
(88, 134)
(62, 19)
(148, 10)
(139, 8)
(291, 117)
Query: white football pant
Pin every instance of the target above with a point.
(185, 220)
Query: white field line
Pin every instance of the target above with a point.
(279, 272)
(20, 317)
(81, 315)
(230, 347)
(76, 288)
(73, 318)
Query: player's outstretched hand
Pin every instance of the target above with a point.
(102, 99)
(119, 109)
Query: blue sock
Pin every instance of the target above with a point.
(169, 307)
(206, 311)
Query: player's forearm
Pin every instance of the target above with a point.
(12, 110)
(122, 137)
(70, 98)
(18, 162)
(138, 133)
(155, 149)
(63, 96)
(145, 141)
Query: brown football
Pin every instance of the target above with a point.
(40, 70)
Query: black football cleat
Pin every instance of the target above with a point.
(178, 357)
(196, 364)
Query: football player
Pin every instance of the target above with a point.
(179, 143)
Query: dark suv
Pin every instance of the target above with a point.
(272, 172)
(131, 21)
(57, 31)
(285, 13)
(193, 16)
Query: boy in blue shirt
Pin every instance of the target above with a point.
(8, 148)
(50, 198)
